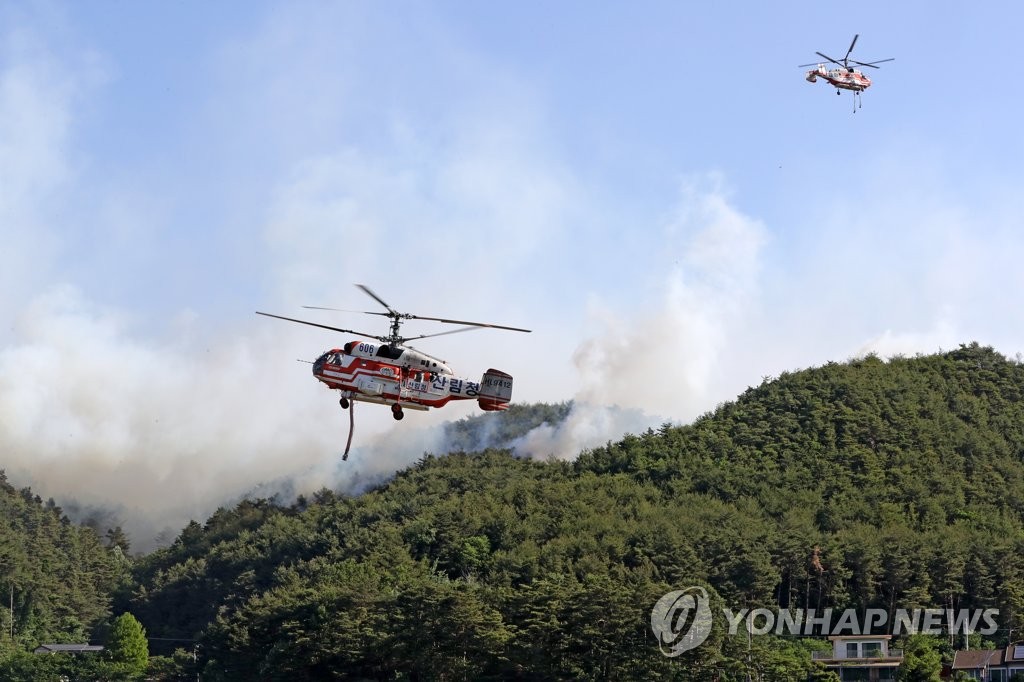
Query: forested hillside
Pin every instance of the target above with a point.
(864, 484)
(56, 578)
(908, 474)
(869, 483)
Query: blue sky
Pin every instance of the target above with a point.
(653, 188)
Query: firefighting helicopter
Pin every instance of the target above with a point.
(396, 374)
(847, 77)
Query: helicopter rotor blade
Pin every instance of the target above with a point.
(872, 64)
(396, 318)
(471, 324)
(345, 310)
(322, 326)
(412, 316)
(369, 292)
(453, 331)
(852, 43)
(822, 54)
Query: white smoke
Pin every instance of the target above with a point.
(890, 343)
(311, 135)
(161, 428)
(661, 360)
(586, 426)
(162, 422)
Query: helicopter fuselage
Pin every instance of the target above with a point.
(844, 79)
(366, 372)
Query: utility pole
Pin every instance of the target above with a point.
(750, 644)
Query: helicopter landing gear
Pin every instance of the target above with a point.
(344, 403)
(396, 412)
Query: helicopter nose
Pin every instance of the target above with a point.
(318, 365)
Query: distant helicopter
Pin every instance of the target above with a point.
(391, 373)
(845, 78)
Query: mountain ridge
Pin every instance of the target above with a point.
(865, 484)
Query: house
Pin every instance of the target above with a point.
(991, 665)
(980, 664)
(866, 658)
(67, 648)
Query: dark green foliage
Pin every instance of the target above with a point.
(27, 667)
(178, 667)
(61, 574)
(869, 485)
(906, 475)
(922, 661)
(866, 484)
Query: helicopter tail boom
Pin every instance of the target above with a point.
(495, 391)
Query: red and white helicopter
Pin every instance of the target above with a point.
(847, 77)
(391, 373)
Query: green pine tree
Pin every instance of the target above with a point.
(922, 661)
(127, 642)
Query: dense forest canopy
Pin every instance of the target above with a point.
(867, 484)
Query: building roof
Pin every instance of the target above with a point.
(841, 637)
(67, 648)
(978, 658)
(891, 662)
